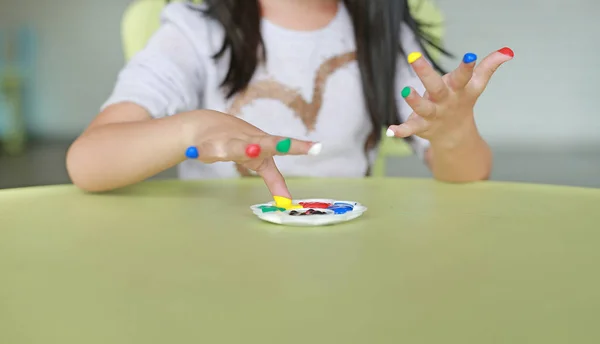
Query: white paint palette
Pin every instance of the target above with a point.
(310, 212)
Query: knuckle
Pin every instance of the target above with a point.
(213, 152)
(439, 90)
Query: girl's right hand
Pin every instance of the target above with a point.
(224, 137)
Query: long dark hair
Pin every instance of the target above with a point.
(377, 26)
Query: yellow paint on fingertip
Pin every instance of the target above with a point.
(285, 203)
(282, 202)
(412, 57)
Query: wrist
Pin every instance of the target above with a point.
(194, 126)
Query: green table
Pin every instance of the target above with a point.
(179, 262)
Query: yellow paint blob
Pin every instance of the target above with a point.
(412, 57)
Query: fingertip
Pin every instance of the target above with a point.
(469, 58)
(282, 201)
(414, 56)
(390, 133)
(405, 92)
(315, 149)
(402, 131)
(507, 51)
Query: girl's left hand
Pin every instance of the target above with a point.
(445, 112)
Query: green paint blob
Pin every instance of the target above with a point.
(270, 209)
(405, 92)
(284, 145)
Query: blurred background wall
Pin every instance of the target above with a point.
(78, 55)
(542, 105)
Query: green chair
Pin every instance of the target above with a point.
(142, 19)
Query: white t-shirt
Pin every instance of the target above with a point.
(176, 72)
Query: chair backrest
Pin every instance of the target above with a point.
(142, 18)
(427, 12)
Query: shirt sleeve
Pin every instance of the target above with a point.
(405, 76)
(166, 77)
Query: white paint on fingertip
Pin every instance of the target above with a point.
(315, 149)
(390, 133)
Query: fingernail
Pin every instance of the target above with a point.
(192, 153)
(412, 57)
(284, 145)
(253, 150)
(507, 51)
(405, 92)
(315, 149)
(390, 133)
(469, 57)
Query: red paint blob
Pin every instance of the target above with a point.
(253, 150)
(507, 51)
(315, 205)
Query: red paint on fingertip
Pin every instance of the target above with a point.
(507, 51)
(253, 150)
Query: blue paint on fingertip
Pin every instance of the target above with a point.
(469, 58)
(192, 153)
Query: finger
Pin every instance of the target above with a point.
(277, 145)
(488, 66)
(432, 81)
(413, 126)
(460, 77)
(238, 150)
(209, 152)
(423, 107)
(273, 178)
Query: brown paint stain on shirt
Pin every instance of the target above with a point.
(307, 111)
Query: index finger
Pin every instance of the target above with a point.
(273, 179)
(489, 65)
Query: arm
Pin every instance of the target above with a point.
(123, 146)
(134, 137)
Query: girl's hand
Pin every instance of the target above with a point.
(445, 112)
(224, 137)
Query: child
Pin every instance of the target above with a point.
(218, 80)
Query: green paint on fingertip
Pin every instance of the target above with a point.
(405, 92)
(284, 145)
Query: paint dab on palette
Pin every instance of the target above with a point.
(309, 212)
(315, 205)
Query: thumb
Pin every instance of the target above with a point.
(488, 66)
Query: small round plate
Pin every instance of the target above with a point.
(315, 214)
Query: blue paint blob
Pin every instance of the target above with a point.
(469, 57)
(340, 208)
(192, 153)
(341, 211)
